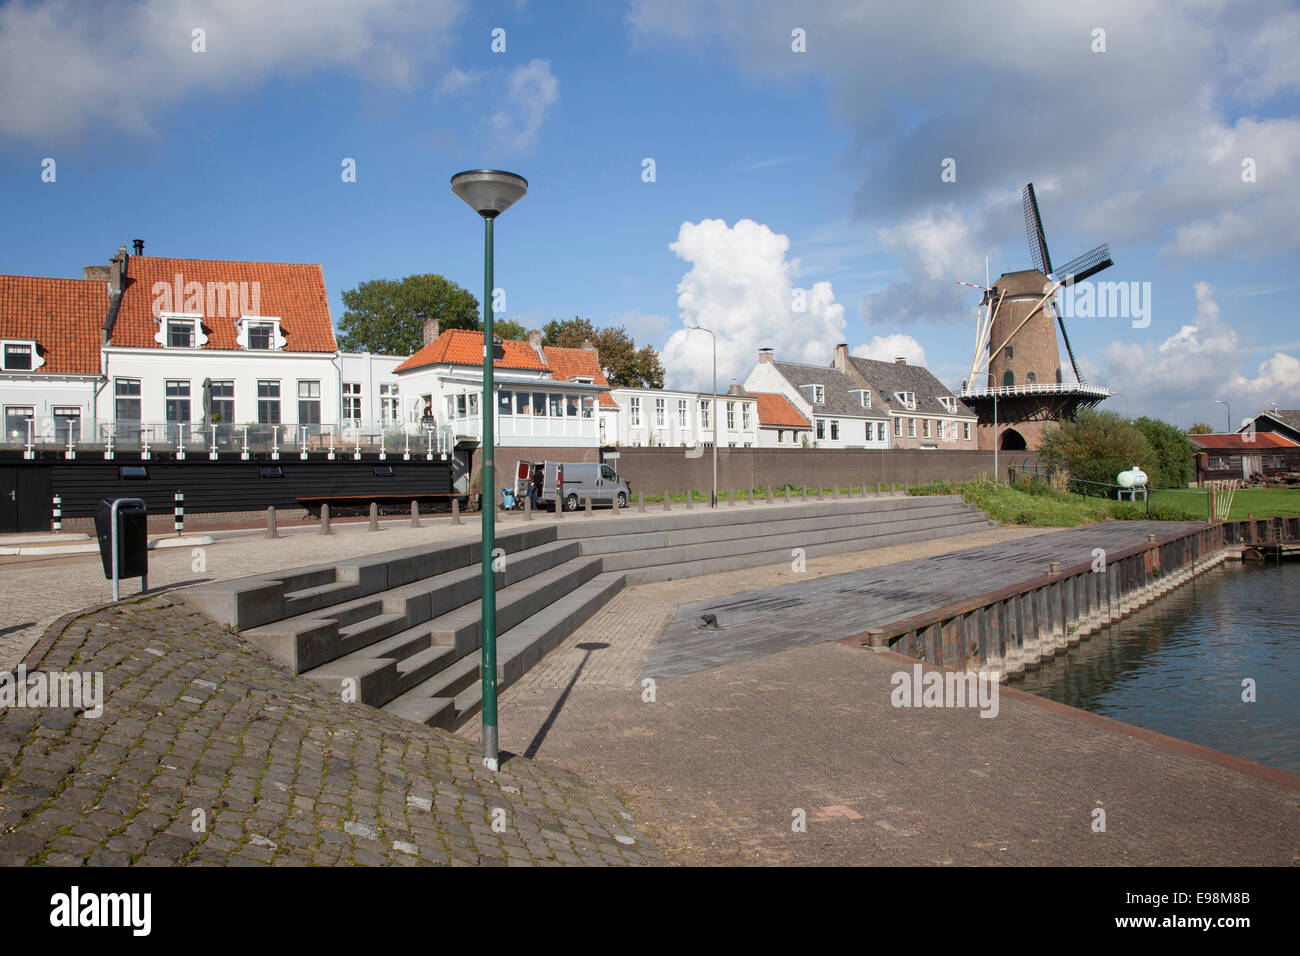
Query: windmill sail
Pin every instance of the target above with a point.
(1034, 229)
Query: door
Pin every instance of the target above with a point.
(24, 499)
(608, 482)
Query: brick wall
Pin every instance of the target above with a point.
(655, 470)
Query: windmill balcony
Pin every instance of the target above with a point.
(1045, 388)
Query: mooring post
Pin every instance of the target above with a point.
(640, 503)
(325, 519)
(415, 513)
(455, 510)
(528, 508)
(374, 516)
(667, 505)
(587, 506)
(271, 531)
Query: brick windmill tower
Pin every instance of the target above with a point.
(1016, 340)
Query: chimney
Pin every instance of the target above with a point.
(764, 355)
(901, 360)
(841, 357)
(535, 340)
(588, 345)
(139, 246)
(117, 271)
(430, 330)
(735, 389)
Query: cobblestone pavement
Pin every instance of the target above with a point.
(209, 753)
(720, 765)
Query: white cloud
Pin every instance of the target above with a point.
(66, 67)
(531, 91)
(457, 80)
(739, 285)
(1198, 364)
(886, 348)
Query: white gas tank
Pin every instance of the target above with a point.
(1135, 477)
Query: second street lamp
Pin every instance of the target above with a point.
(489, 192)
(713, 501)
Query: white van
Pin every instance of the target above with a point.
(571, 481)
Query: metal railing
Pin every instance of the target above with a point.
(1045, 388)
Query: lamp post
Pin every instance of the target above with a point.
(713, 501)
(1219, 401)
(489, 192)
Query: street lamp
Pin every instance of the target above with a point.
(489, 192)
(1219, 401)
(713, 501)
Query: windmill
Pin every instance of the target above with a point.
(1076, 270)
(1015, 340)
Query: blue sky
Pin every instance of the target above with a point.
(833, 157)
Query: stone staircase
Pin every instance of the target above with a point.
(399, 630)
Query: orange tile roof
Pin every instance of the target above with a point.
(775, 409)
(1239, 442)
(295, 292)
(462, 347)
(64, 316)
(568, 364)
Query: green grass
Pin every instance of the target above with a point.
(1037, 504)
(1261, 502)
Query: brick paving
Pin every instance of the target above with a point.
(209, 753)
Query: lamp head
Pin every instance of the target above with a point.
(489, 192)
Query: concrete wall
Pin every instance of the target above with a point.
(654, 470)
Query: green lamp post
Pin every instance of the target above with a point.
(489, 192)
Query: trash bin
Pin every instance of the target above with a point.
(132, 537)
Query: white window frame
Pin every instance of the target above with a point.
(245, 325)
(898, 426)
(681, 412)
(167, 319)
(907, 400)
(30, 344)
(661, 412)
(634, 412)
(965, 431)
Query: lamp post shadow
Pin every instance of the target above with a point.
(536, 744)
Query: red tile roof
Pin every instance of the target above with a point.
(776, 410)
(1242, 442)
(461, 347)
(64, 316)
(294, 292)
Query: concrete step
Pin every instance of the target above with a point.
(784, 540)
(781, 555)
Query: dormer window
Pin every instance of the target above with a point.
(21, 357)
(906, 399)
(260, 334)
(863, 397)
(948, 402)
(584, 380)
(179, 330)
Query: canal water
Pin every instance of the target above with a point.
(1177, 665)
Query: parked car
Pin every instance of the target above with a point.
(571, 481)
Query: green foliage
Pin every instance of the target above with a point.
(1095, 447)
(1173, 462)
(509, 329)
(624, 364)
(1029, 502)
(386, 316)
(1200, 428)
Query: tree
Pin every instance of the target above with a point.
(508, 329)
(624, 364)
(387, 316)
(1095, 447)
(1200, 428)
(1173, 453)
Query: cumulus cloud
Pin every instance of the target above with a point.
(531, 91)
(66, 67)
(886, 348)
(1196, 365)
(740, 285)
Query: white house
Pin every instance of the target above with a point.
(666, 417)
(842, 412)
(369, 390)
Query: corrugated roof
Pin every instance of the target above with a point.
(63, 316)
(1262, 440)
(294, 292)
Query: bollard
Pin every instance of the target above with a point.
(455, 510)
(1151, 539)
(731, 499)
(559, 506)
(1054, 567)
(528, 508)
(325, 519)
(771, 498)
(374, 516)
(690, 498)
(587, 505)
(640, 503)
(904, 487)
(58, 514)
(787, 494)
(667, 504)
(893, 488)
(178, 508)
(835, 491)
(877, 487)
(271, 530)
(415, 513)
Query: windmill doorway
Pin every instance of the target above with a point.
(1012, 440)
